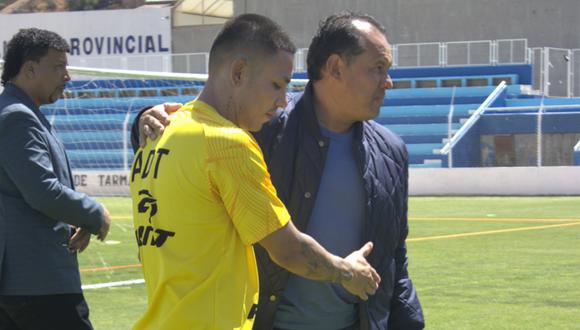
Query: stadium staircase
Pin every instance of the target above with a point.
(419, 107)
(422, 116)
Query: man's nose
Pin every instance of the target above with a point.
(388, 82)
(282, 101)
(66, 75)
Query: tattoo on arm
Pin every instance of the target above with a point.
(320, 267)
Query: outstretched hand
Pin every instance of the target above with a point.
(363, 280)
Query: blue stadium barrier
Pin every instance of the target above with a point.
(426, 138)
(428, 129)
(421, 110)
(458, 81)
(421, 114)
(95, 145)
(415, 159)
(423, 148)
(432, 100)
(446, 92)
(97, 159)
(92, 128)
(105, 122)
(92, 140)
(522, 71)
(526, 123)
(519, 102)
(429, 165)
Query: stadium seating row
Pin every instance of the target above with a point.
(94, 125)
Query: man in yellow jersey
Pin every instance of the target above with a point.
(202, 194)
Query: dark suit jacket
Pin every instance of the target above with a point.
(295, 152)
(37, 203)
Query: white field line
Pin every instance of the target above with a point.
(112, 284)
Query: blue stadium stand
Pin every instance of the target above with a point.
(420, 117)
(418, 108)
(91, 120)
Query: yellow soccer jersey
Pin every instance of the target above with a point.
(202, 196)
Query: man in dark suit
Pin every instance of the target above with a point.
(43, 220)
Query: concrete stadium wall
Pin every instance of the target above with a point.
(510, 181)
(544, 23)
(102, 183)
(195, 39)
(422, 181)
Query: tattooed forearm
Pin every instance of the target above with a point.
(316, 263)
(303, 256)
(321, 267)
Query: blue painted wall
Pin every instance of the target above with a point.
(526, 123)
(523, 71)
(467, 153)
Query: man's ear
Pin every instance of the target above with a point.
(334, 67)
(239, 71)
(28, 69)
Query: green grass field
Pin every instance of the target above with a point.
(477, 263)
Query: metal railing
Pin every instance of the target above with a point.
(556, 71)
(447, 149)
(430, 54)
(528, 108)
(461, 53)
(450, 123)
(427, 54)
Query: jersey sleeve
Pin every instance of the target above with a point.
(240, 176)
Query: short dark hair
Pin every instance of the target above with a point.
(249, 32)
(336, 35)
(29, 45)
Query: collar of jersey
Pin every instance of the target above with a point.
(197, 105)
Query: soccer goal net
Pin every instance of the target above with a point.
(94, 120)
